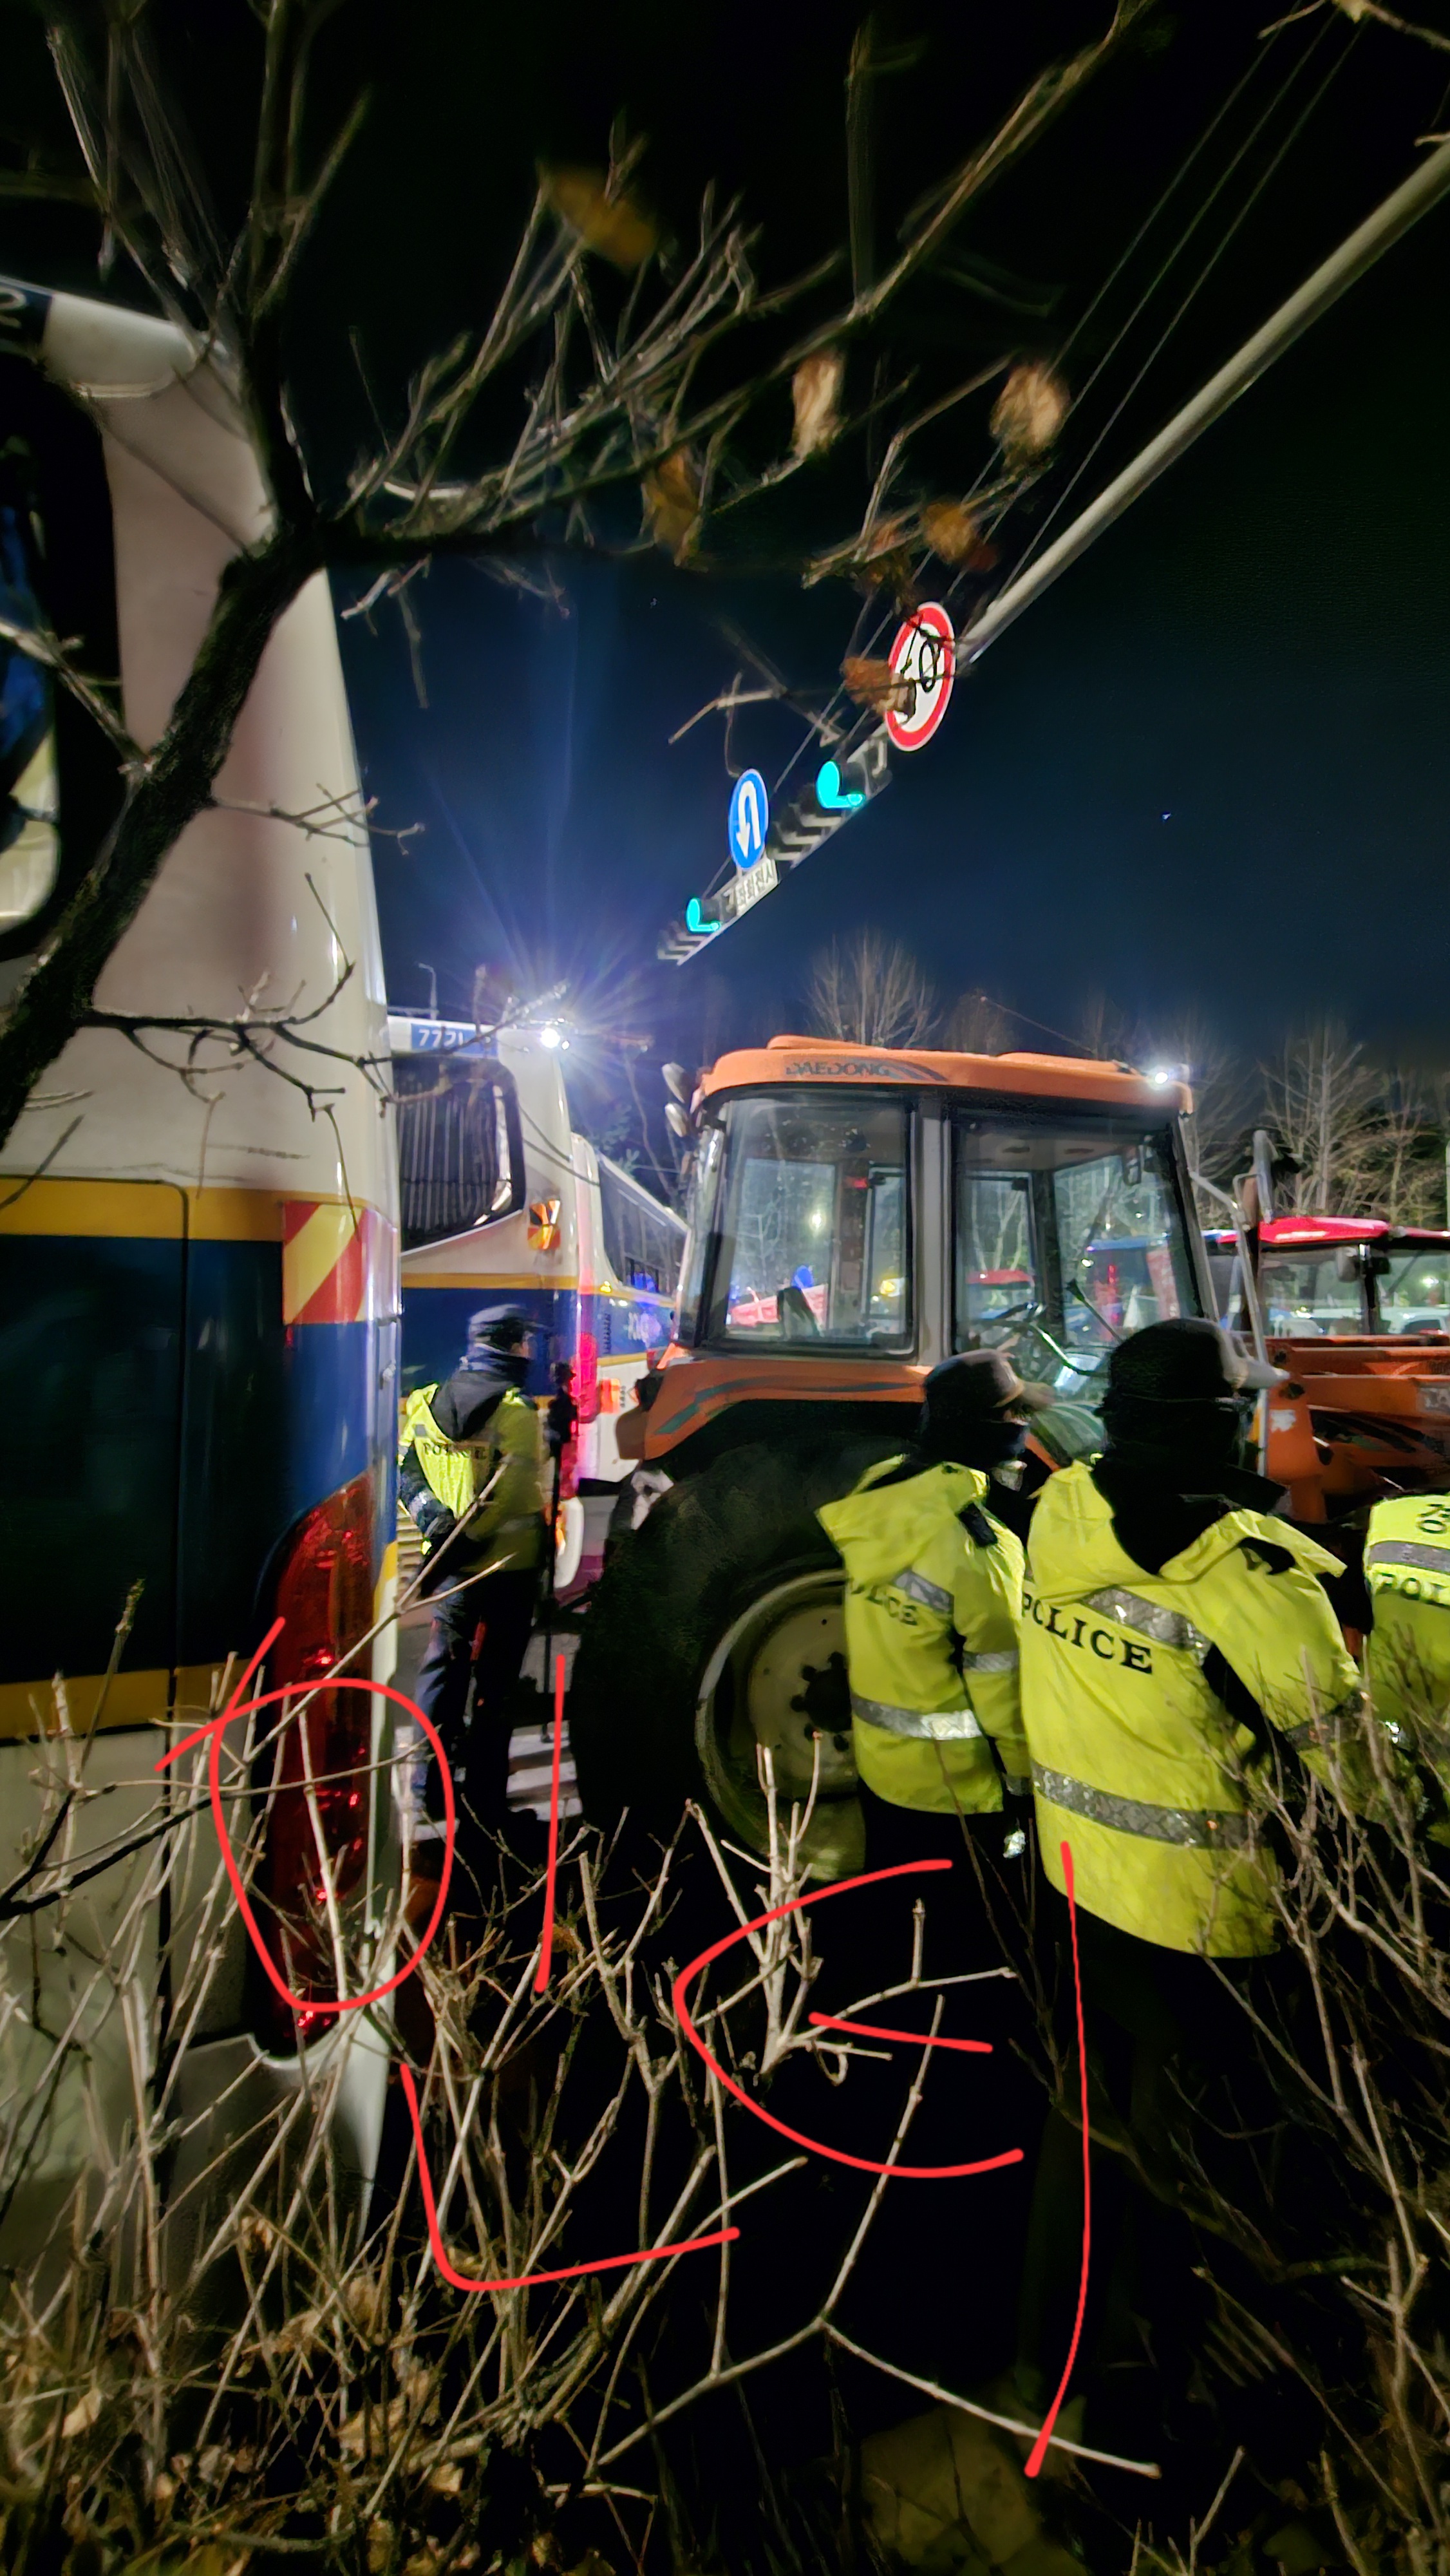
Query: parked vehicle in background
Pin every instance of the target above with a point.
(1358, 1313)
(198, 1282)
(1342, 1274)
(858, 1214)
(502, 1202)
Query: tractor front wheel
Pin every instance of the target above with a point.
(713, 1639)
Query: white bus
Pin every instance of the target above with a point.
(503, 1202)
(198, 1286)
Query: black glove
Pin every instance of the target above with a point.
(435, 1521)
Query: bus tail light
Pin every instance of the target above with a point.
(586, 1378)
(325, 1595)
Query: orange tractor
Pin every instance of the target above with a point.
(1358, 1312)
(859, 1214)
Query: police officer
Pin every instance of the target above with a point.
(1173, 1631)
(457, 1437)
(1407, 1657)
(933, 1593)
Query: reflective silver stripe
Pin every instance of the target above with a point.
(1333, 1722)
(947, 1726)
(1407, 1551)
(917, 1588)
(1151, 1618)
(1006, 1662)
(1201, 1828)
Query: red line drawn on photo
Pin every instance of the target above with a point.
(211, 1734)
(918, 2038)
(546, 1945)
(238, 1707)
(529, 2280)
(1039, 2448)
(837, 2155)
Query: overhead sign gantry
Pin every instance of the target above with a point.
(927, 655)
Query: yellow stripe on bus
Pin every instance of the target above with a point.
(134, 1699)
(483, 1279)
(149, 1209)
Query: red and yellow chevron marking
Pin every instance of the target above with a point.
(333, 1261)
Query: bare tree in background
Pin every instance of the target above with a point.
(1368, 1140)
(869, 989)
(1223, 1083)
(1319, 1101)
(605, 366)
(1105, 1030)
(976, 1025)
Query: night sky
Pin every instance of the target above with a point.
(1257, 652)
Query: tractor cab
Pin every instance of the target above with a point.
(859, 1214)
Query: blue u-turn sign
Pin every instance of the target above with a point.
(749, 819)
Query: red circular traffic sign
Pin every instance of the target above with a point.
(925, 652)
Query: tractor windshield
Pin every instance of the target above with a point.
(1310, 1293)
(813, 1236)
(1070, 1233)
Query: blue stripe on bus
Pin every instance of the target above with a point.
(435, 1328)
(625, 1325)
(112, 1478)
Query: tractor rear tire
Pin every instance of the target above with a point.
(670, 1593)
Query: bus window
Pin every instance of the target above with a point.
(641, 1239)
(29, 841)
(460, 1155)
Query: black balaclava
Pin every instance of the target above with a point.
(970, 1416)
(992, 1441)
(1177, 1428)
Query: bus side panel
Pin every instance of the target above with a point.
(90, 1394)
(627, 1325)
(278, 1417)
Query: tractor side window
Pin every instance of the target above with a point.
(460, 1162)
(996, 1284)
(704, 1195)
(814, 1239)
(1069, 1234)
(1120, 1248)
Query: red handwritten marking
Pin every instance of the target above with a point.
(237, 1707)
(546, 1946)
(917, 2038)
(528, 2280)
(1039, 2447)
(837, 2155)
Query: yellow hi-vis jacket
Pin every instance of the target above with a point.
(1407, 1657)
(510, 1527)
(1136, 1763)
(931, 1639)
